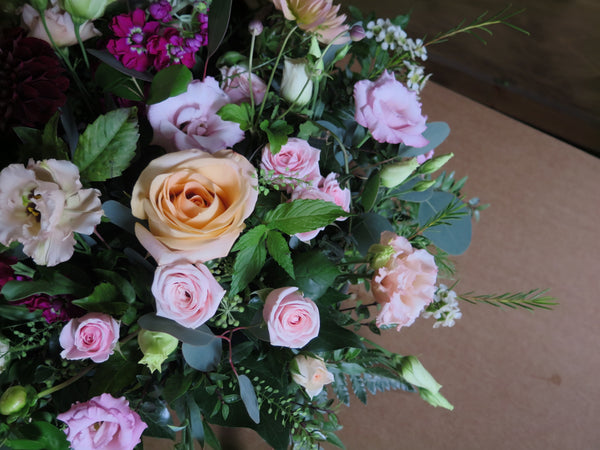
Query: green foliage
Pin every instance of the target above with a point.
(115, 82)
(241, 114)
(277, 133)
(529, 300)
(303, 215)
(169, 82)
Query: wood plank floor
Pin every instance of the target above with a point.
(549, 79)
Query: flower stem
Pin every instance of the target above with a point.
(66, 383)
(76, 25)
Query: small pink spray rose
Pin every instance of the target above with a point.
(236, 84)
(93, 336)
(296, 164)
(103, 423)
(293, 320)
(390, 111)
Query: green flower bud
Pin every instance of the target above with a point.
(379, 255)
(394, 174)
(435, 163)
(413, 371)
(156, 347)
(86, 9)
(39, 5)
(423, 185)
(13, 400)
(435, 399)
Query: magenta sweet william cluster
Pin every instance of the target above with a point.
(144, 39)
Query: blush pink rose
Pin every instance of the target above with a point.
(310, 193)
(292, 320)
(93, 336)
(190, 120)
(236, 84)
(341, 197)
(390, 111)
(186, 293)
(296, 164)
(405, 284)
(103, 423)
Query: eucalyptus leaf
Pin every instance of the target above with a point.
(199, 336)
(204, 358)
(120, 215)
(169, 82)
(436, 133)
(367, 229)
(109, 59)
(218, 20)
(249, 398)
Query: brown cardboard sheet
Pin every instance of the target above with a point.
(518, 379)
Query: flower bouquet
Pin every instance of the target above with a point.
(207, 209)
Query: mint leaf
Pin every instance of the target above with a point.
(303, 215)
(250, 258)
(277, 133)
(278, 248)
(241, 114)
(107, 146)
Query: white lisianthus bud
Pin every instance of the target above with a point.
(310, 373)
(435, 399)
(413, 371)
(394, 174)
(296, 84)
(435, 163)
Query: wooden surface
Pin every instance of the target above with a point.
(518, 380)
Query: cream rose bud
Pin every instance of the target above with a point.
(43, 205)
(186, 293)
(293, 320)
(195, 203)
(60, 25)
(311, 374)
(296, 84)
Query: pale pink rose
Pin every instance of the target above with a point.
(292, 320)
(93, 336)
(310, 193)
(236, 84)
(186, 293)
(405, 285)
(311, 374)
(390, 111)
(425, 157)
(195, 203)
(341, 197)
(190, 120)
(316, 16)
(296, 164)
(43, 205)
(103, 423)
(59, 24)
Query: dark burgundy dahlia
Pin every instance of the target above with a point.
(33, 83)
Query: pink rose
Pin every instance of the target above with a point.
(293, 320)
(310, 193)
(296, 164)
(103, 423)
(405, 284)
(341, 197)
(236, 84)
(190, 120)
(390, 111)
(93, 336)
(186, 293)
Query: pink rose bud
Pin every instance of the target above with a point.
(357, 33)
(93, 336)
(255, 27)
(292, 320)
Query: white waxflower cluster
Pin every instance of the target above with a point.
(444, 308)
(415, 77)
(392, 37)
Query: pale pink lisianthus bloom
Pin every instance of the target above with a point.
(236, 84)
(292, 319)
(195, 203)
(295, 165)
(103, 423)
(43, 205)
(186, 293)
(341, 197)
(310, 193)
(190, 120)
(405, 285)
(390, 111)
(425, 157)
(93, 336)
(60, 25)
(311, 374)
(319, 17)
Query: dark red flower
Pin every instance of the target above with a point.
(33, 84)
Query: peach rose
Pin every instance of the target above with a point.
(405, 284)
(195, 203)
(311, 374)
(186, 293)
(292, 320)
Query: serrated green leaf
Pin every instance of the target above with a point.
(249, 398)
(107, 146)
(169, 82)
(241, 114)
(303, 215)
(277, 133)
(250, 258)
(278, 248)
(308, 129)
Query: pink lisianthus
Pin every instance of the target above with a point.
(405, 284)
(390, 111)
(319, 17)
(93, 336)
(295, 165)
(425, 157)
(190, 120)
(186, 293)
(132, 32)
(103, 423)
(43, 205)
(293, 320)
(236, 84)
